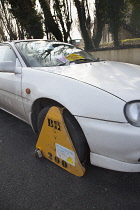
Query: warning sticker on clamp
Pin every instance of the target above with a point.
(65, 154)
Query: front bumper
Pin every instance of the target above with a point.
(112, 145)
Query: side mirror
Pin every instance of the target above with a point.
(7, 66)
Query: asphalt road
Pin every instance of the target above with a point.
(30, 183)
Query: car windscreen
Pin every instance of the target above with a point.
(44, 53)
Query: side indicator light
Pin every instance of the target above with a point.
(28, 91)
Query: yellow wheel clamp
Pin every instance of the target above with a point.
(55, 144)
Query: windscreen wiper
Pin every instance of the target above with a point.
(82, 60)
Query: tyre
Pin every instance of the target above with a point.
(74, 130)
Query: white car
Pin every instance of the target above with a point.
(101, 98)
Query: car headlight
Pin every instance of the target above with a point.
(132, 113)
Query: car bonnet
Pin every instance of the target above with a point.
(119, 79)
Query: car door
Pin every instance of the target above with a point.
(10, 82)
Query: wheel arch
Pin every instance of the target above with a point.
(37, 106)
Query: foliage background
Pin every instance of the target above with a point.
(21, 19)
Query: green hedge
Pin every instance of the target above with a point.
(127, 43)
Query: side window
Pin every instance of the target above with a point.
(7, 56)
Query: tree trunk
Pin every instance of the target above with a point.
(50, 24)
(116, 16)
(82, 21)
(100, 20)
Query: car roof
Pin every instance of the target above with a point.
(28, 40)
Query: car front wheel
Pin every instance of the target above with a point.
(76, 134)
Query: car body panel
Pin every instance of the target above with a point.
(119, 79)
(112, 138)
(79, 98)
(10, 89)
(113, 164)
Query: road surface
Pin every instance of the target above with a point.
(30, 183)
